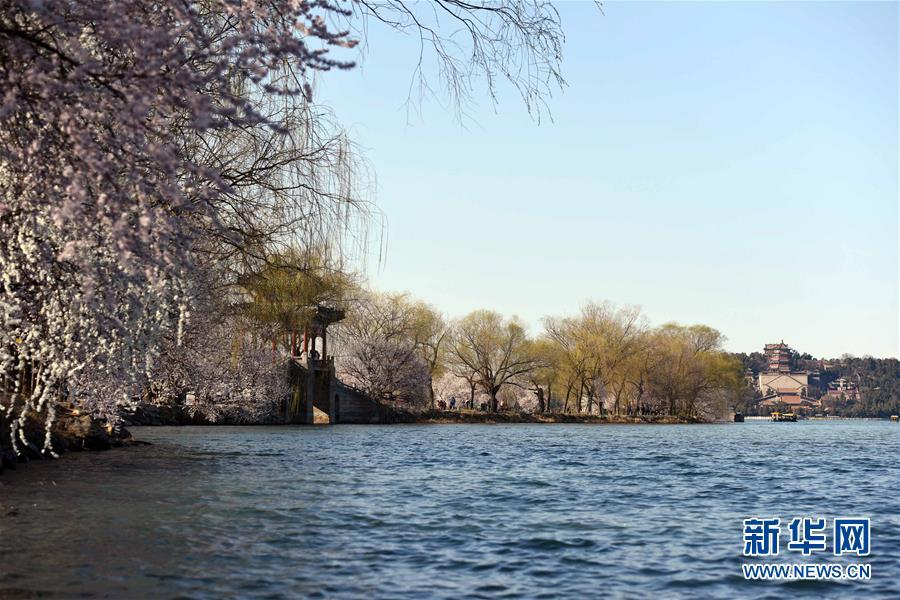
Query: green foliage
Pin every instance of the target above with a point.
(755, 361)
(284, 293)
(879, 385)
(607, 357)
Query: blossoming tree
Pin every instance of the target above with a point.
(146, 141)
(111, 179)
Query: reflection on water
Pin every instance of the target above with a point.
(442, 511)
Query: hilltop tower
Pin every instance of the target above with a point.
(778, 357)
(782, 387)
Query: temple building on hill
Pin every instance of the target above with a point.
(792, 381)
(842, 390)
(778, 357)
(781, 386)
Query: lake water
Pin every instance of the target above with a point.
(535, 511)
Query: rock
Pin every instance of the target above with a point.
(80, 431)
(71, 430)
(159, 414)
(7, 459)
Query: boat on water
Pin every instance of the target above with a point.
(895, 418)
(788, 416)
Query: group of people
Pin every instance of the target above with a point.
(442, 404)
(468, 404)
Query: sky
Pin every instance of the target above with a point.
(732, 164)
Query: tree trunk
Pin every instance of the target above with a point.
(493, 406)
(540, 397)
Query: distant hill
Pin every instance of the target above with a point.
(878, 380)
(879, 385)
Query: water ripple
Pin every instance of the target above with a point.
(481, 511)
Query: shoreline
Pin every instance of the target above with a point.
(72, 431)
(153, 416)
(462, 417)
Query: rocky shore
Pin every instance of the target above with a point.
(160, 414)
(73, 431)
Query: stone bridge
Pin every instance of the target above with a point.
(315, 386)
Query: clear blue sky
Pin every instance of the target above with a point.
(734, 164)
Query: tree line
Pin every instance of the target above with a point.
(402, 351)
(603, 360)
(879, 385)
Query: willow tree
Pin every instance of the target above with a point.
(284, 294)
(595, 346)
(496, 350)
(463, 45)
(547, 373)
(430, 331)
(571, 358)
(689, 370)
